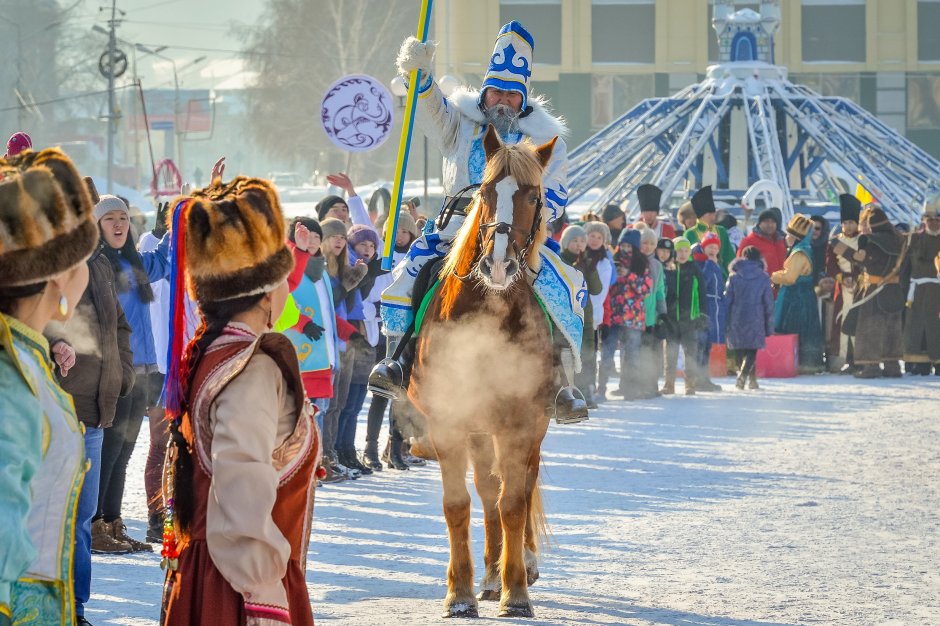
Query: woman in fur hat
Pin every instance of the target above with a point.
(245, 445)
(796, 310)
(48, 236)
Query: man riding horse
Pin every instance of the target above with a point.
(458, 124)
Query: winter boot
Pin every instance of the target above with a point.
(370, 456)
(689, 387)
(669, 387)
(155, 528)
(409, 458)
(103, 542)
(119, 532)
(569, 408)
(332, 476)
(393, 456)
(892, 369)
(389, 377)
(871, 370)
(752, 382)
(351, 460)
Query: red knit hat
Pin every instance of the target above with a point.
(17, 143)
(710, 239)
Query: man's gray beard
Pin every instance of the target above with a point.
(503, 118)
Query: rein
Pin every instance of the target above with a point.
(502, 228)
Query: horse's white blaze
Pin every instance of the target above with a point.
(505, 189)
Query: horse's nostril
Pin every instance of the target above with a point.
(512, 266)
(486, 265)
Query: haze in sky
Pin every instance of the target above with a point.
(189, 28)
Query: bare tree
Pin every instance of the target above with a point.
(299, 49)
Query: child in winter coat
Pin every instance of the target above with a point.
(652, 348)
(750, 301)
(599, 254)
(573, 252)
(628, 309)
(685, 298)
(344, 279)
(705, 254)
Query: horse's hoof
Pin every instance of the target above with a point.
(461, 609)
(514, 610)
(532, 575)
(489, 595)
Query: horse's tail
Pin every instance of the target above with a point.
(538, 523)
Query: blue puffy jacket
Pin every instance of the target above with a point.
(157, 267)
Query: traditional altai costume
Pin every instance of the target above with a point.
(457, 124)
(245, 419)
(703, 203)
(879, 301)
(922, 286)
(846, 271)
(47, 230)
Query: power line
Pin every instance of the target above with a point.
(87, 94)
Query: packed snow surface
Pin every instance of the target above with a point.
(813, 500)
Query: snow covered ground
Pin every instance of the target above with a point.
(815, 500)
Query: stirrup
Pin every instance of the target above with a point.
(575, 418)
(382, 385)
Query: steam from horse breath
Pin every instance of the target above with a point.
(474, 366)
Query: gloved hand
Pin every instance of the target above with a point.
(159, 226)
(313, 331)
(357, 340)
(416, 55)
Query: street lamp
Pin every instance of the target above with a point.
(176, 86)
(400, 91)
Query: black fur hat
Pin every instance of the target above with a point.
(849, 208)
(649, 197)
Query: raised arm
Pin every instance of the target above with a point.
(437, 118)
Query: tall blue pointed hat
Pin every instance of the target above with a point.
(511, 64)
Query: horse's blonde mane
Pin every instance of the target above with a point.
(521, 163)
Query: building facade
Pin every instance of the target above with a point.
(596, 59)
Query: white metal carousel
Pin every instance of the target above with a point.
(747, 129)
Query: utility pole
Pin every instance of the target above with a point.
(112, 47)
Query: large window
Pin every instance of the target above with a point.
(542, 18)
(840, 85)
(923, 101)
(623, 31)
(928, 30)
(834, 31)
(611, 96)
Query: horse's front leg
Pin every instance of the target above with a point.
(487, 484)
(460, 601)
(513, 513)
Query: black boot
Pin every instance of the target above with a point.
(351, 459)
(389, 378)
(370, 456)
(155, 528)
(393, 456)
(569, 409)
(892, 369)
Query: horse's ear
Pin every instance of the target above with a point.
(491, 142)
(544, 152)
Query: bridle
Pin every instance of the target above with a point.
(503, 228)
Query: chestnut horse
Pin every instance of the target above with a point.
(483, 377)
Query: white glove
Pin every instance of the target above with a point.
(416, 55)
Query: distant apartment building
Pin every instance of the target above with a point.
(596, 59)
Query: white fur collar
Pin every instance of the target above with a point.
(540, 124)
